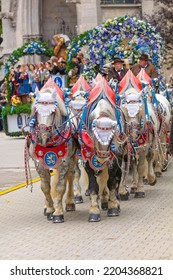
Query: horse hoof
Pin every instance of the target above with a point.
(78, 199)
(58, 218)
(133, 189)
(139, 194)
(45, 213)
(104, 205)
(113, 212)
(94, 218)
(87, 193)
(153, 183)
(124, 197)
(158, 174)
(164, 168)
(49, 216)
(70, 207)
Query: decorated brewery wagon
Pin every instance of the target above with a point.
(102, 130)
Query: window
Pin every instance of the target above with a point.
(120, 1)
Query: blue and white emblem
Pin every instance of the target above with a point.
(50, 158)
(58, 81)
(96, 163)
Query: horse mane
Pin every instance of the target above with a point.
(103, 108)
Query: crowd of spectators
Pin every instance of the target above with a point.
(25, 78)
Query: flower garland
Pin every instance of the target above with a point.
(124, 37)
(30, 48)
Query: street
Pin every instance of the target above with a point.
(143, 231)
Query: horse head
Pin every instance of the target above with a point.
(104, 128)
(79, 97)
(78, 101)
(133, 108)
(48, 110)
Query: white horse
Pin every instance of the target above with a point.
(163, 112)
(162, 109)
(76, 106)
(50, 148)
(99, 147)
(77, 103)
(141, 143)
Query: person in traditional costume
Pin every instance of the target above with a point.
(23, 80)
(118, 71)
(144, 63)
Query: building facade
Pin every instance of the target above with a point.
(26, 20)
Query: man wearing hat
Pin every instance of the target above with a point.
(117, 71)
(150, 69)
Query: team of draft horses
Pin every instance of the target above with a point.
(101, 132)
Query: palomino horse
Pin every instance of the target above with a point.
(162, 108)
(50, 148)
(142, 134)
(77, 103)
(98, 134)
(163, 112)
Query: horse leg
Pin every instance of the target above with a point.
(104, 199)
(58, 215)
(151, 176)
(134, 177)
(164, 148)
(113, 203)
(84, 179)
(94, 211)
(123, 193)
(76, 185)
(102, 179)
(158, 155)
(69, 179)
(46, 189)
(141, 170)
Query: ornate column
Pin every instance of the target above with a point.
(32, 10)
(29, 24)
(8, 15)
(29, 19)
